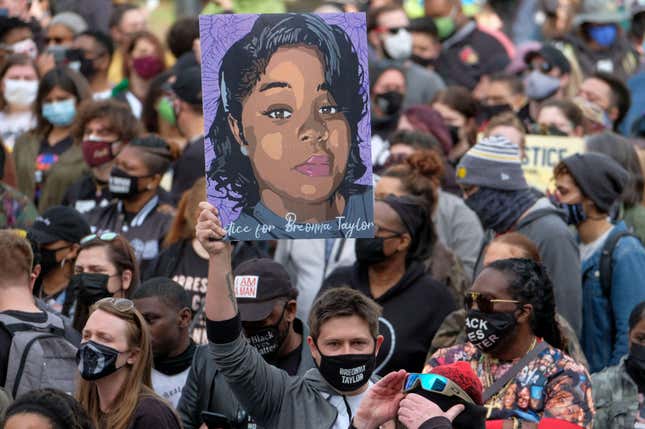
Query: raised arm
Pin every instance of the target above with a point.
(220, 299)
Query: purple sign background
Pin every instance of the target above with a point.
(218, 33)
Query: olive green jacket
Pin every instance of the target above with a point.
(69, 168)
(615, 396)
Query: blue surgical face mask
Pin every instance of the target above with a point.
(60, 113)
(604, 35)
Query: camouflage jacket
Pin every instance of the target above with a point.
(616, 398)
(16, 211)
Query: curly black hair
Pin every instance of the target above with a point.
(60, 409)
(241, 68)
(529, 283)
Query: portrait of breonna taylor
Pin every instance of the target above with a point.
(287, 125)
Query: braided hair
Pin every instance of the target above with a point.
(530, 283)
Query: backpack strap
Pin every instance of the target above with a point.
(606, 266)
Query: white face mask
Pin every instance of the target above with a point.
(20, 92)
(398, 46)
(27, 47)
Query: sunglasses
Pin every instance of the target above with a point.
(56, 40)
(484, 303)
(121, 304)
(106, 236)
(435, 383)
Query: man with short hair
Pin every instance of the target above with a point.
(344, 342)
(97, 49)
(267, 302)
(389, 38)
(189, 116)
(587, 186)
(166, 307)
(505, 92)
(17, 304)
(58, 233)
(16, 37)
(610, 94)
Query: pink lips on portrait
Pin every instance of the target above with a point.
(315, 166)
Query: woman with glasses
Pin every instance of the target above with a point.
(115, 362)
(515, 346)
(390, 269)
(105, 266)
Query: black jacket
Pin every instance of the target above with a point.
(413, 310)
(207, 390)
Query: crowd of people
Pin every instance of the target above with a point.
(480, 302)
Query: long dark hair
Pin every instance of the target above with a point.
(530, 283)
(241, 68)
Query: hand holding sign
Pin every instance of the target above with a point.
(209, 230)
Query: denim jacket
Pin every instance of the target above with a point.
(605, 321)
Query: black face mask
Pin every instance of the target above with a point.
(346, 373)
(454, 134)
(423, 62)
(268, 339)
(122, 185)
(87, 68)
(370, 250)
(486, 330)
(635, 364)
(389, 102)
(48, 260)
(90, 287)
(96, 360)
(486, 112)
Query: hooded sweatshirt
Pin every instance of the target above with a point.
(413, 310)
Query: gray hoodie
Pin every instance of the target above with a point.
(269, 394)
(546, 226)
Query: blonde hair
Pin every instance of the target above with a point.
(137, 385)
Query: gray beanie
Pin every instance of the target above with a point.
(494, 163)
(600, 178)
(71, 20)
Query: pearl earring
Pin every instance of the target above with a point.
(244, 151)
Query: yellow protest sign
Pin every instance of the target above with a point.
(542, 153)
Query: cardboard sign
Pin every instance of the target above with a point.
(542, 154)
(287, 128)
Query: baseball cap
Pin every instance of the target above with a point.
(188, 85)
(59, 223)
(551, 55)
(259, 284)
(600, 12)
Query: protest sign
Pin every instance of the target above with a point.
(287, 127)
(542, 153)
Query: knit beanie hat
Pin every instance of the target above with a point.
(599, 177)
(494, 162)
(463, 375)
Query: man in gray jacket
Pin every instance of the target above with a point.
(495, 188)
(344, 342)
(267, 304)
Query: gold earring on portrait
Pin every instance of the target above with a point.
(244, 151)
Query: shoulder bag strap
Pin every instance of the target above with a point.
(512, 372)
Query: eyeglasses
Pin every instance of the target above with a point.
(378, 228)
(121, 304)
(544, 67)
(435, 383)
(106, 236)
(484, 303)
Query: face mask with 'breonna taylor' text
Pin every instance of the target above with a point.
(347, 373)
